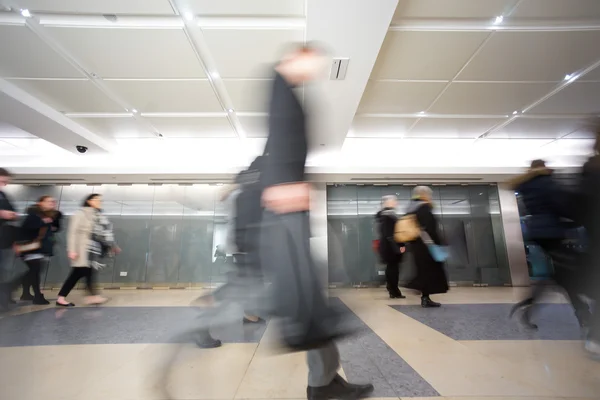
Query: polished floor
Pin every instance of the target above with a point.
(468, 349)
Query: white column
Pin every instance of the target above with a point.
(318, 226)
(513, 235)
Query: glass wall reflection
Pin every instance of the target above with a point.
(469, 218)
(168, 233)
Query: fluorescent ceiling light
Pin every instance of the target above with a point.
(25, 12)
(133, 110)
(515, 112)
(499, 19)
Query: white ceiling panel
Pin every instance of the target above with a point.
(489, 98)
(399, 97)
(217, 127)
(368, 127)
(21, 56)
(255, 127)
(141, 7)
(452, 127)
(120, 128)
(249, 53)
(417, 55)
(545, 9)
(132, 53)
(577, 98)
(168, 96)
(533, 56)
(528, 128)
(451, 8)
(244, 7)
(70, 96)
(249, 95)
(9, 131)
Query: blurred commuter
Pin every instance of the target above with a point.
(298, 299)
(430, 275)
(40, 224)
(547, 205)
(590, 205)
(390, 252)
(7, 236)
(89, 238)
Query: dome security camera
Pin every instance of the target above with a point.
(81, 149)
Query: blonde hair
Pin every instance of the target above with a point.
(422, 192)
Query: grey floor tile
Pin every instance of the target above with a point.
(492, 322)
(113, 325)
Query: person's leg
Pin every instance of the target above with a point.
(392, 277)
(35, 269)
(323, 380)
(26, 284)
(426, 301)
(90, 283)
(72, 279)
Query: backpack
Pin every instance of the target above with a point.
(407, 229)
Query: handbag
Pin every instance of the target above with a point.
(36, 244)
(438, 253)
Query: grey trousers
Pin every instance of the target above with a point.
(285, 242)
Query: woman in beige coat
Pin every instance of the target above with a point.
(80, 250)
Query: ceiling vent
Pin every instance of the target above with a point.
(339, 67)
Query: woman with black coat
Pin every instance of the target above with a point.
(40, 224)
(430, 277)
(390, 251)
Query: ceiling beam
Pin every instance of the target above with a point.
(357, 36)
(26, 112)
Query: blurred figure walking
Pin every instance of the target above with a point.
(390, 252)
(547, 205)
(590, 204)
(298, 299)
(430, 276)
(7, 230)
(89, 238)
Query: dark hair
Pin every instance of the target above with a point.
(4, 173)
(538, 164)
(44, 198)
(86, 202)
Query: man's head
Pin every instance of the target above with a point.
(303, 63)
(537, 164)
(423, 193)
(389, 201)
(5, 177)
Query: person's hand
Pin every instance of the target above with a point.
(47, 220)
(73, 256)
(116, 250)
(287, 198)
(8, 215)
(402, 250)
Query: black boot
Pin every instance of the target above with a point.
(397, 295)
(339, 389)
(426, 302)
(205, 341)
(40, 300)
(26, 296)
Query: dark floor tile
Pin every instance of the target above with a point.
(492, 322)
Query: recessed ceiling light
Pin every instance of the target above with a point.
(215, 75)
(133, 110)
(515, 112)
(422, 113)
(25, 12)
(230, 110)
(568, 76)
(499, 19)
(188, 16)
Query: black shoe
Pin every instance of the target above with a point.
(397, 296)
(65, 305)
(40, 301)
(426, 302)
(339, 389)
(26, 297)
(524, 311)
(205, 341)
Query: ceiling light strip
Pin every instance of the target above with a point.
(184, 114)
(8, 18)
(282, 23)
(97, 115)
(47, 38)
(99, 21)
(432, 116)
(448, 25)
